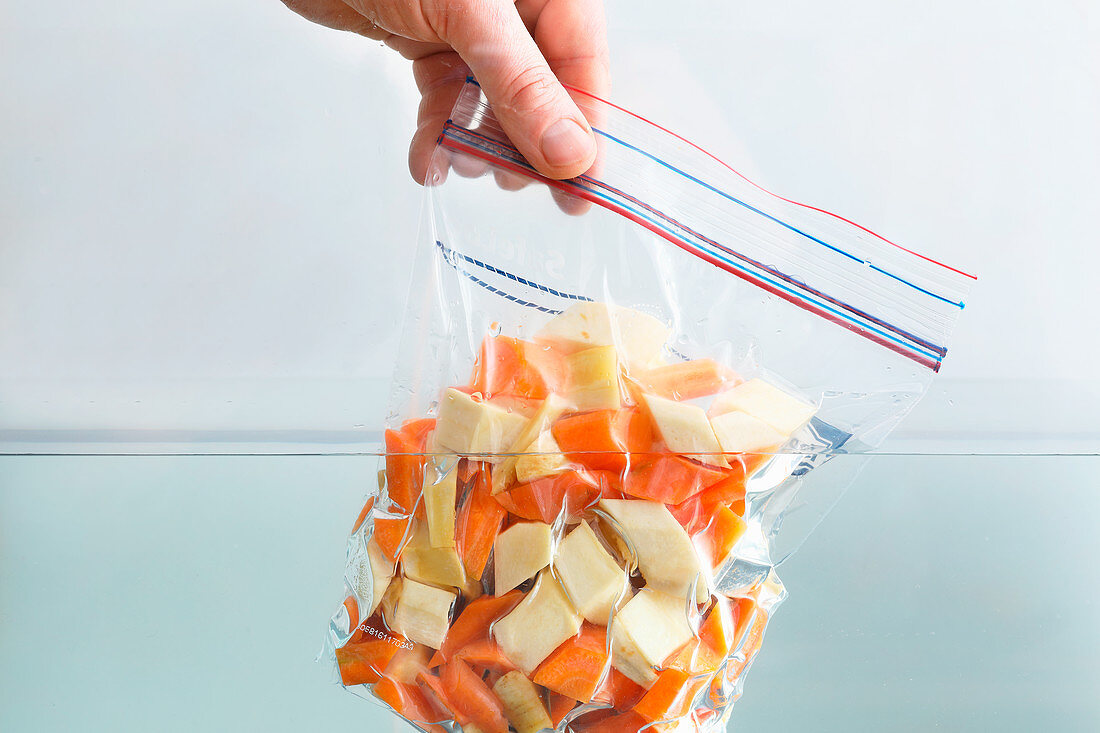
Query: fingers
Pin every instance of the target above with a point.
(336, 14)
(531, 105)
(439, 77)
(572, 35)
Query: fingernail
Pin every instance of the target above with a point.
(564, 143)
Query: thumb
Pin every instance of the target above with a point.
(530, 103)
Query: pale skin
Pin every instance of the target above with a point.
(520, 52)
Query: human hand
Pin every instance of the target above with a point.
(519, 52)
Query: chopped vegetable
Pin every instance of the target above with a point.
(670, 697)
(589, 574)
(543, 620)
(439, 501)
(375, 579)
(472, 698)
(362, 663)
(473, 623)
(686, 380)
(559, 706)
(654, 624)
(766, 402)
(639, 337)
(576, 668)
(466, 425)
(432, 565)
(542, 458)
(623, 501)
(670, 479)
(520, 552)
(720, 535)
(423, 613)
(479, 520)
(522, 705)
(605, 439)
(516, 367)
(685, 429)
(665, 553)
(485, 654)
(410, 701)
(545, 498)
(593, 382)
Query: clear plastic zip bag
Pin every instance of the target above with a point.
(606, 404)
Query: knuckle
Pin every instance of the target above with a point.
(530, 90)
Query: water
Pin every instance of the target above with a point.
(191, 592)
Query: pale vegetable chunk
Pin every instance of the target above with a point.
(373, 581)
(637, 336)
(628, 659)
(685, 429)
(740, 432)
(466, 425)
(439, 506)
(423, 613)
(552, 408)
(666, 556)
(543, 458)
(520, 552)
(784, 412)
(433, 565)
(594, 379)
(522, 705)
(654, 625)
(542, 621)
(589, 574)
(388, 606)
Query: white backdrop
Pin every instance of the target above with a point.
(206, 219)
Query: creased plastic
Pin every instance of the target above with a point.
(610, 400)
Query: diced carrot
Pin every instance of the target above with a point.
(513, 366)
(472, 625)
(389, 532)
(619, 691)
(545, 498)
(559, 706)
(687, 380)
(418, 429)
(363, 663)
(753, 638)
(716, 631)
(670, 696)
(732, 486)
(435, 685)
(363, 515)
(670, 479)
(484, 654)
(694, 658)
(352, 607)
(605, 439)
(576, 666)
(408, 664)
(404, 470)
(472, 698)
(720, 535)
(742, 615)
(410, 701)
(691, 514)
(738, 507)
(478, 522)
(606, 721)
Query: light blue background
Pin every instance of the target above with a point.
(192, 593)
